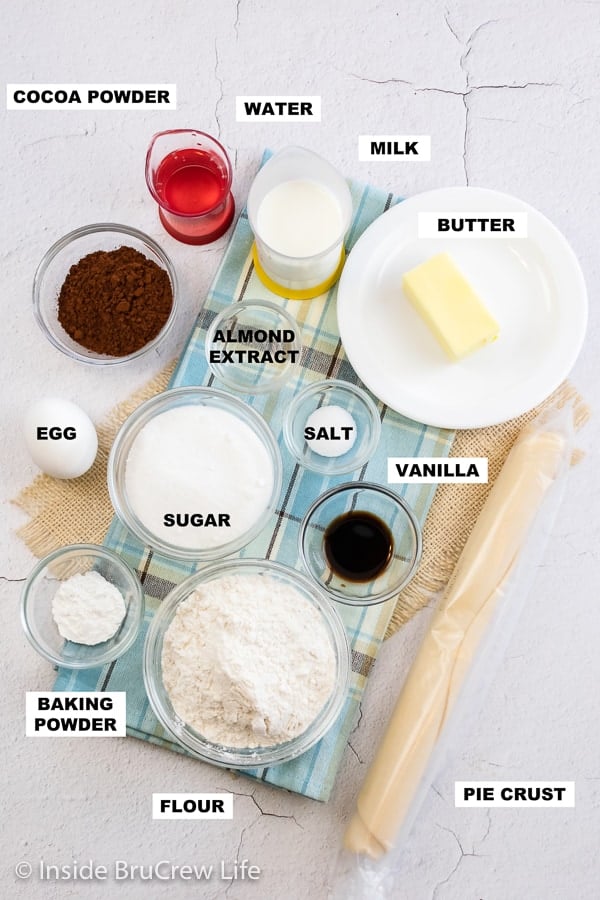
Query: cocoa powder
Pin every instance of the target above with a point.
(115, 302)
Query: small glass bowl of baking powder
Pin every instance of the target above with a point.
(65, 254)
(236, 757)
(253, 346)
(37, 605)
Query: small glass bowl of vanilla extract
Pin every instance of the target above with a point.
(361, 542)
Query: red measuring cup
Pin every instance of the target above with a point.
(189, 175)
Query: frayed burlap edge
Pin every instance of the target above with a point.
(456, 507)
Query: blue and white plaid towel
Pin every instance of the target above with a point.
(313, 773)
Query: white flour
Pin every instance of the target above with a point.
(88, 609)
(247, 661)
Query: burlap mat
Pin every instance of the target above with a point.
(80, 511)
(456, 507)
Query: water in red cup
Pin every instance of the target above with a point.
(189, 175)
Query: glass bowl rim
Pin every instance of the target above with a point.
(250, 205)
(228, 311)
(411, 518)
(237, 757)
(147, 170)
(84, 231)
(83, 549)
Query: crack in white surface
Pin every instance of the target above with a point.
(579, 102)
(275, 815)
(359, 720)
(221, 94)
(450, 28)
(469, 89)
(360, 760)
(440, 795)
(466, 137)
(497, 119)
(513, 87)
(487, 87)
(236, 23)
(88, 131)
(458, 862)
(237, 855)
(261, 811)
(463, 853)
(354, 730)
(489, 826)
(380, 81)
(468, 46)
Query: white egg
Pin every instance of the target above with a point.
(333, 431)
(60, 437)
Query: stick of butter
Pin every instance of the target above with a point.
(450, 306)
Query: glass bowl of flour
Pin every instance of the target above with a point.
(195, 473)
(246, 664)
(82, 606)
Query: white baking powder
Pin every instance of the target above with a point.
(88, 609)
(197, 460)
(247, 661)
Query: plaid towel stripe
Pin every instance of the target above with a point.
(322, 357)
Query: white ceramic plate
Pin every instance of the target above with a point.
(533, 286)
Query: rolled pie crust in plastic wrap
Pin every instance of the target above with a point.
(442, 663)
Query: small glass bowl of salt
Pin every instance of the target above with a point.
(332, 427)
(82, 606)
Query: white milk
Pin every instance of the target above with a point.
(299, 218)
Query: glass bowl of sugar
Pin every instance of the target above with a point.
(82, 606)
(195, 473)
(247, 663)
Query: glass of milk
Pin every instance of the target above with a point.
(299, 208)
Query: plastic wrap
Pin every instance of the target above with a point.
(461, 650)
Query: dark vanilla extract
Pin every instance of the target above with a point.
(358, 546)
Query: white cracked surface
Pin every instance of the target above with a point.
(510, 96)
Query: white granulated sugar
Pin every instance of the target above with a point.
(88, 609)
(198, 460)
(247, 661)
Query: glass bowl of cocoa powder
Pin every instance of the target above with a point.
(105, 294)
